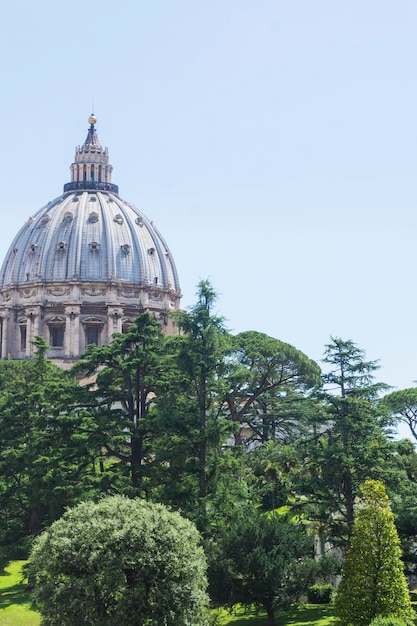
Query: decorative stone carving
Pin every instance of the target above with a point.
(56, 319)
(58, 291)
(27, 293)
(128, 293)
(72, 311)
(92, 291)
(93, 321)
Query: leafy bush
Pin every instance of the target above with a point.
(389, 620)
(120, 562)
(320, 594)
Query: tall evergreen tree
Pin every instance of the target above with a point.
(189, 406)
(373, 581)
(348, 444)
(47, 445)
(123, 380)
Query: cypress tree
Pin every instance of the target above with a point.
(373, 581)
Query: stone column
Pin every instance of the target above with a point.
(72, 330)
(4, 333)
(32, 315)
(114, 320)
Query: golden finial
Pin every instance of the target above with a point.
(92, 119)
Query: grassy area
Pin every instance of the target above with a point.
(306, 615)
(15, 600)
(15, 608)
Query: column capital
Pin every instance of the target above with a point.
(72, 310)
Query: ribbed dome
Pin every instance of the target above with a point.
(89, 235)
(84, 266)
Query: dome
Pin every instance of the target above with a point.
(89, 235)
(88, 256)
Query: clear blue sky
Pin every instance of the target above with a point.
(273, 143)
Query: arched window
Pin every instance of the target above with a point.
(23, 335)
(93, 327)
(56, 327)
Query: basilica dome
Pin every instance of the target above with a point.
(84, 266)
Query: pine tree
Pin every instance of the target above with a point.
(373, 581)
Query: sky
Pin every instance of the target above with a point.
(272, 142)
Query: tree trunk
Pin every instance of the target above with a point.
(35, 521)
(271, 616)
(136, 445)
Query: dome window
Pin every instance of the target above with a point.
(33, 247)
(94, 245)
(126, 324)
(56, 331)
(45, 218)
(126, 248)
(151, 251)
(92, 330)
(139, 221)
(93, 217)
(93, 199)
(56, 336)
(61, 245)
(75, 199)
(23, 335)
(68, 217)
(155, 280)
(118, 219)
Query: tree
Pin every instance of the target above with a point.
(124, 377)
(120, 562)
(266, 380)
(190, 400)
(402, 405)
(401, 484)
(373, 581)
(47, 445)
(263, 560)
(347, 444)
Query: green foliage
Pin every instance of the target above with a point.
(296, 615)
(348, 444)
(264, 390)
(387, 621)
(124, 378)
(120, 562)
(320, 594)
(263, 560)
(373, 582)
(190, 399)
(47, 447)
(402, 406)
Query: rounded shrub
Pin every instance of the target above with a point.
(120, 561)
(320, 594)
